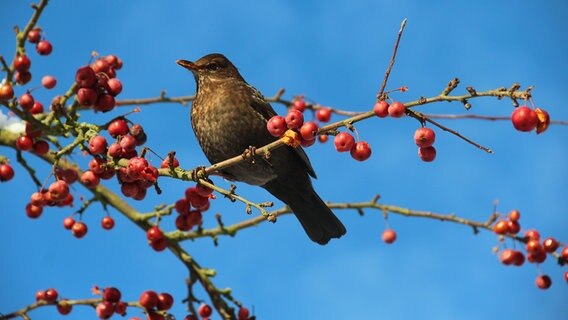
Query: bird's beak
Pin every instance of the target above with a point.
(188, 65)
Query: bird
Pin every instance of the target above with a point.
(228, 117)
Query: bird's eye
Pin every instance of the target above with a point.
(213, 66)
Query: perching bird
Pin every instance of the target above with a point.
(229, 116)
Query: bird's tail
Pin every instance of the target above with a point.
(315, 216)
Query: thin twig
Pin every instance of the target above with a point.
(391, 64)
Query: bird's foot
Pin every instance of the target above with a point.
(249, 154)
(291, 138)
(198, 173)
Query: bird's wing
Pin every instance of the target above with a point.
(259, 104)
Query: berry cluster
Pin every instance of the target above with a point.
(154, 303)
(197, 198)
(424, 139)
(110, 303)
(156, 238)
(536, 251)
(57, 194)
(137, 176)
(526, 119)
(97, 84)
(396, 109)
(29, 141)
(50, 296)
(306, 132)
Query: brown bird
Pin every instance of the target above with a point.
(228, 116)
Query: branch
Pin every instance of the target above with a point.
(391, 64)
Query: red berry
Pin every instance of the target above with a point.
(129, 189)
(26, 101)
(37, 108)
(276, 126)
(67, 175)
(514, 227)
(34, 35)
(89, 179)
(564, 253)
(501, 227)
(524, 119)
(154, 233)
(389, 236)
(182, 206)
(205, 310)
(105, 310)
(536, 256)
(243, 313)
(160, 244)
(48, 82)
(6, 92)
(51, 295)
(127, 142)
(424, 137)
(294, 119)
(40, 295)
(166, 163)
(148, 299)
(111, 294)
(107, 223)
(41, 147)
(308, 131)
(118, 127)
(343, 142)
(114, 86)
(24, 143)
(427, 154)
(120, 308)
(37, 199)
(299, 104)
(203, 190)
(165, 301)
(514, 215)
(323, 114)
(59, 190)
(33, 211)
(532, 234)
(85, 77)
(44, 48)
(105, 103)
(322, 138)
(519, 258)
(396, 109)
(22, 63)
(381, 109)
(22, 77)
(138, 133)
(543, 120)
(87, 97)
(543, 282)
(507, 256)
(361, 151)
(97, 145)
(100, 65)
(550, 245)
(63, 307)
(68, 223)
(6, 172)
(79, 229)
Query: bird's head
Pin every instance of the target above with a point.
(211, 68)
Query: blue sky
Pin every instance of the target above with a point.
(334, 53)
